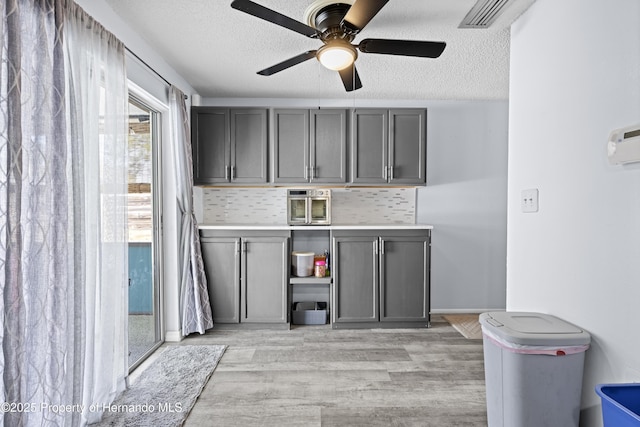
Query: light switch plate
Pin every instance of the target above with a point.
(529, 200)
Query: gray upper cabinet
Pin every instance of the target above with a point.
(309, 146)
(388, 146)
(290, 146)
(229, 145)
(328, 146)
(407, 146)
(381, 277)
(210, 145)
(369, 146)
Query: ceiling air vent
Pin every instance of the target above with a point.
(483, 14)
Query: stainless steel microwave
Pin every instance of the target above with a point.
(309, 207)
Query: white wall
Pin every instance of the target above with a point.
(575, 76)
(466, 201)
(158, 88)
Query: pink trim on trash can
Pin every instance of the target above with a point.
(534, 349)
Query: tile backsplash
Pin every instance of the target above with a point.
(269, 206)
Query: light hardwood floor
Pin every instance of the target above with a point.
(316, 376)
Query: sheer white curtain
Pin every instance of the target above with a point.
(194, 298)
(63, 246)
(97, 78)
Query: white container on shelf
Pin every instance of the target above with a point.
(302, 263)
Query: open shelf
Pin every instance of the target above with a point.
(310, 280)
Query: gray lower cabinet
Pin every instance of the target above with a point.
(381, 278)
(246, 276)
(404, 278)
(355, 279)
(264, 280)
(388, 146)
(229, 145)
(309, 146)
(221, 258)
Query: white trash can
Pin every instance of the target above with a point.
(533, 369)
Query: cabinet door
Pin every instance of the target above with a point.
(290, 146)
(222, 268)
(404, 281)
(407, 146)
(210, 145)
(369, 146)
(355, 269)
(328, 146)
(264, 279)
(248, 136)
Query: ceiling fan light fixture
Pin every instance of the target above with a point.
(337, 55)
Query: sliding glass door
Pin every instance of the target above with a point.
(144, 239)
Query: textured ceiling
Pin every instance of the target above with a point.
(218, 50)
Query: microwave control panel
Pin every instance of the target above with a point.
(310, 193)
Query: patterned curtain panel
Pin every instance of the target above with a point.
(194, 298)
(63, 251)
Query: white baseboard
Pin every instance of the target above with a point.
(463, 310)
(173, 336)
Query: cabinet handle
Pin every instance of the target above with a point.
(226, 172)
(233, 172)
(384, 172)
(313, 172)
(381, 246)
(375, 247)
(306, 173)
(244, 246)
(238, 246)
(390, 173)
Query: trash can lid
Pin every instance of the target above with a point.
(533, 328)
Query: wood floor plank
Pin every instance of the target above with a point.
(316, 376)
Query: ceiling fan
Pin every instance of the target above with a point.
(336, 24)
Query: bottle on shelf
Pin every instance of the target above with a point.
(327, 263)
(320, 268)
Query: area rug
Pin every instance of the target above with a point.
(166, 391)
(467, 324)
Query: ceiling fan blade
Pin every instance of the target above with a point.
(288, 63)
(422, 49)
(360, 13)
(350, 78)
(272, 16)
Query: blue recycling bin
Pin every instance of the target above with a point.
(620, 404)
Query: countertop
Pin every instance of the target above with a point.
(316, 227)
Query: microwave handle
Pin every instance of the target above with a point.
(307, 214)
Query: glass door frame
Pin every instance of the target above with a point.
(157, 110)
(325, 207)
(293, 210)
